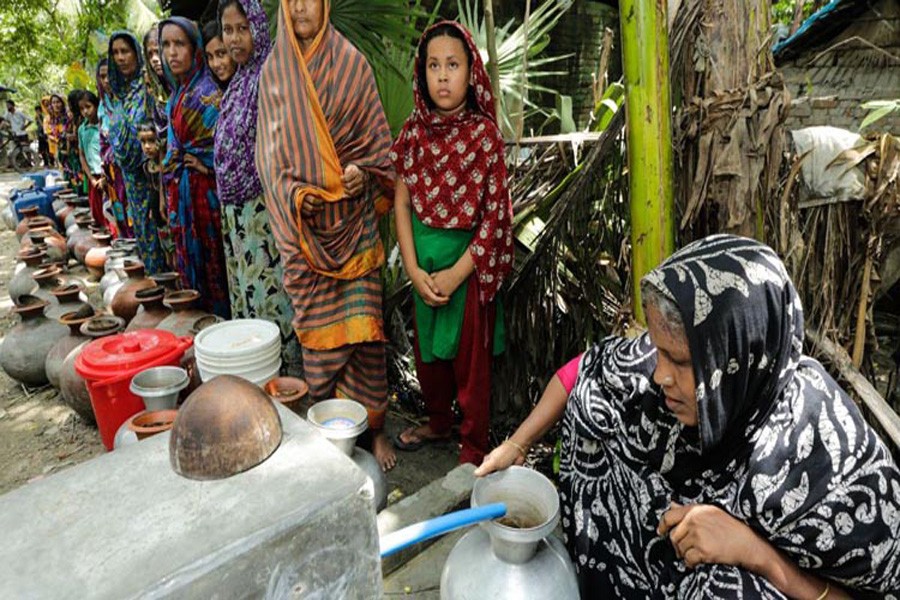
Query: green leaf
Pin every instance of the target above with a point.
(879, 113)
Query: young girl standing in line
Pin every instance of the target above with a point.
(454, 225)
(89, 152)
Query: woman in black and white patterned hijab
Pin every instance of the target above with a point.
(709, 458)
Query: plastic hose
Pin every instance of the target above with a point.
(413, 534)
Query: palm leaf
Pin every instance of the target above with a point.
(512, 49)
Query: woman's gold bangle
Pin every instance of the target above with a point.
(824, 593)
(518, 447)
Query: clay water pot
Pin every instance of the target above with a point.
(68, 205)
(95, 258)
(72, 387)
(187, 319)
(169, 280)
(292, 392)
(151, 310)
(148, 423)
(48, 240)
(27, 214)
(228, 425)
(70, 298)
(25, 348)
(99, 237)
(124, 304)
(22, 282)
(71, 225)
(48, 279)
(57, 355)
(185, 312)
(78, 235)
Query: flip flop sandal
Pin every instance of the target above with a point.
(417, 445)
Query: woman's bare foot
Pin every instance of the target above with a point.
(384, 451)
(413, 438)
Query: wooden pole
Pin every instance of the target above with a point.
(645, 57)
(859, 340)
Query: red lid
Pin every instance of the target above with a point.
(115, 355)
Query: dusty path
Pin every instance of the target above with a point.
(39, 435)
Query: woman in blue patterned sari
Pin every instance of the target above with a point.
(126, 113)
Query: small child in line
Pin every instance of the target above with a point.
(454, 226)
(89, 153)
(152, 149)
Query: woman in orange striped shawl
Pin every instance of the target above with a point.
(322, 155)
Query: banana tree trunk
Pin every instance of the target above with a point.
(645, 58)
(493, 66)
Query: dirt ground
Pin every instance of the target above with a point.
(39, 435)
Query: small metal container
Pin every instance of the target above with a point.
(340, 421)
(159, 386)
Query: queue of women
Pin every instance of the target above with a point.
(706, 458)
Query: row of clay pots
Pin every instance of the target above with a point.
(72, 387)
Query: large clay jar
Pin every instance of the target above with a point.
(151, 310)
(185, 312)
(95, 258)
(62, 207)
(170, 280)
(72, 387)
(124, 304)
(25, 347)
(70, 225)
(69, 298)
(22, 282)
(78, 235)
(50, 241)
(27, 215)
(185, 320)
(57, 355)
(86, 243)
(48, 279)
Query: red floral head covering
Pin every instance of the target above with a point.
(454, 169)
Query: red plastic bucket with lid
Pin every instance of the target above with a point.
(108, 365)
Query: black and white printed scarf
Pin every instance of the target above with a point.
(778, 444)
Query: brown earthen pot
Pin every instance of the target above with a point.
(292, 392)
(80, 233)
(124, 304)
(68, 205)
(95, 258)
(22, 282)
(57, 355)
(151, 310)
(228, 425)
(25, 347)
(72, 387)
(80, 211)
(69, 298)
(98, 237)
(169, 280)
(48, 279)
(185, 312)
(48, 240)
(27, 215)
(149, 423)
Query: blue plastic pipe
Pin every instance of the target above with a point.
(403, 538)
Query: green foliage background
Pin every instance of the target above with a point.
(41, 39)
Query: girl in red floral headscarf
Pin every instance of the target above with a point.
(454, 225)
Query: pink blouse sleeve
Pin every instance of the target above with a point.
(569, 373)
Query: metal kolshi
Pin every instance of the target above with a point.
(516, 556)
